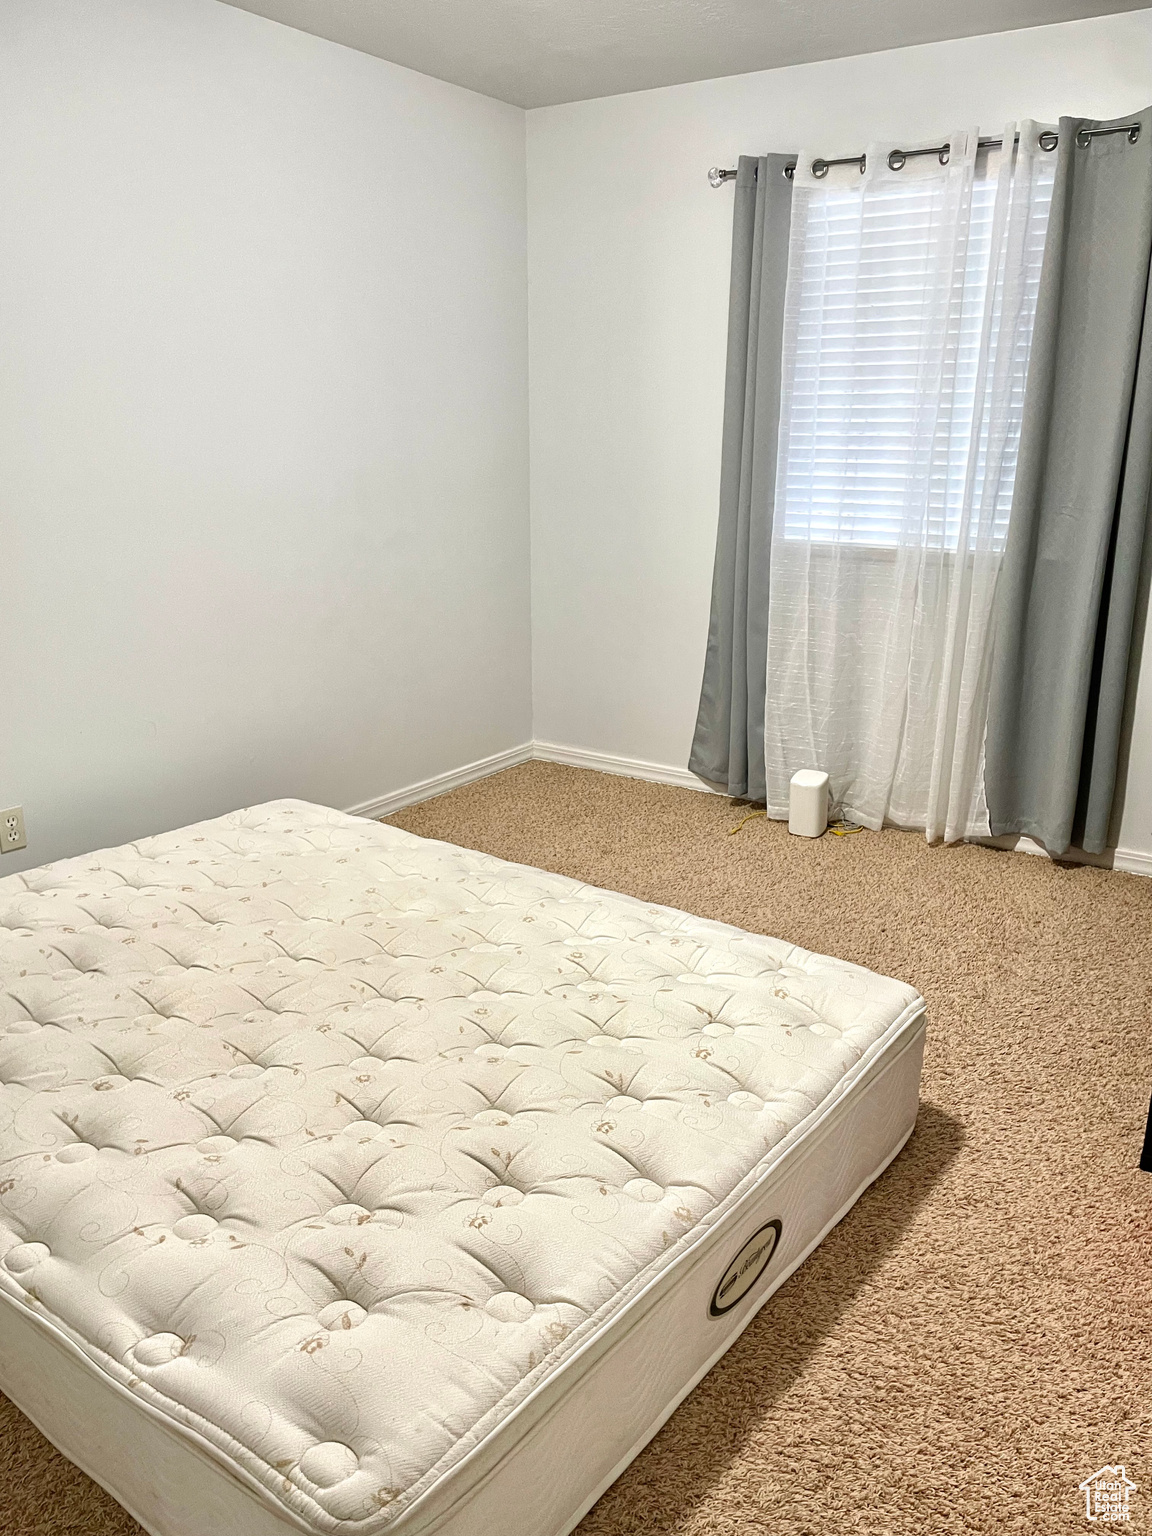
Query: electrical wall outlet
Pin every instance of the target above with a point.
(12, 835)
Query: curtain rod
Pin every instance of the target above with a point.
(898, 158)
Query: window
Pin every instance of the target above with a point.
(888, 409)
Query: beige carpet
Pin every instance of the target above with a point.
(976, 1336)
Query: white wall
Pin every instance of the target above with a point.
(628, 285)
(264, 400)
(263, 420)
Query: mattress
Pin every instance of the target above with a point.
(356, 1183)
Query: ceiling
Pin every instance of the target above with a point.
(536, 53)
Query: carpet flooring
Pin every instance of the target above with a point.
(973, 1339)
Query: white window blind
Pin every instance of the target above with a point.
(863, 461)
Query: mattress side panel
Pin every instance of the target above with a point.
(166, 1482)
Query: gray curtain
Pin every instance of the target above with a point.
(728, 746)
(1068, 587)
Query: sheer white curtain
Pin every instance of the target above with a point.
(907, 326)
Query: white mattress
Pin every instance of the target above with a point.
(352, 1182)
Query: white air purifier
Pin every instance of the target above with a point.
(808, 803)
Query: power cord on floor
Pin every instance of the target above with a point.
(838, 828)
(732, 831)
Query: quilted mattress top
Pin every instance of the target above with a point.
(330, 1143)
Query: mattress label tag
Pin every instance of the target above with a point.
(745, 1269)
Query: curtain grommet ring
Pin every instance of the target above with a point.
(899, 158)
(1084, 136)
(821, 167)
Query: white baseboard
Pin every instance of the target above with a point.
(629, 767)
(542, 751)
(441, 783)
(1131, 860)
